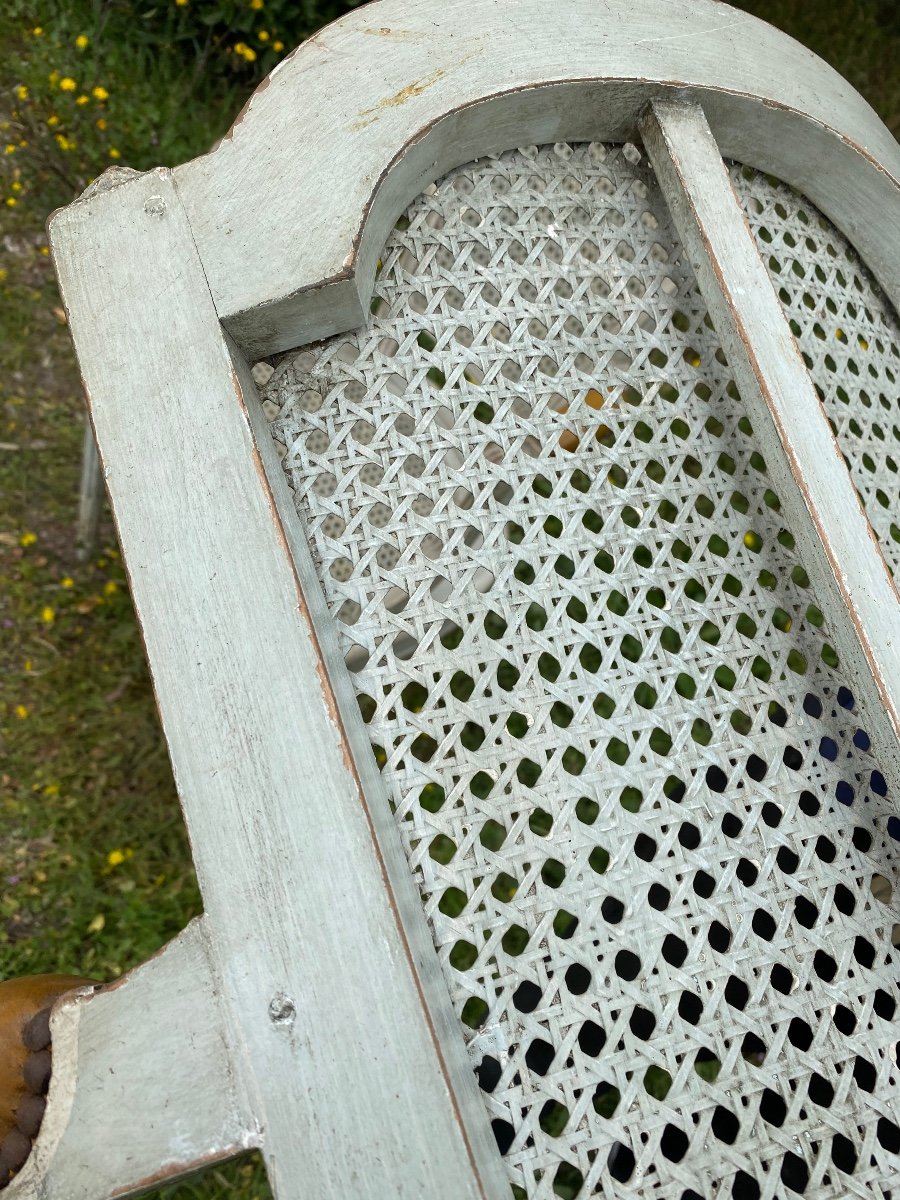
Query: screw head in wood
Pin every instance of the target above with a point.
(282, 1010)
(154, 206)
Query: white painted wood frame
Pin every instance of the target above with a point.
(305, 1013)
(845, 560)
(291, 210)
(330, 989)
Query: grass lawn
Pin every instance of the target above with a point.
(95, 871)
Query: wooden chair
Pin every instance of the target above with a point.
(570, 492)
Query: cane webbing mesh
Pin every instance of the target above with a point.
(849, 337)
(654, 849)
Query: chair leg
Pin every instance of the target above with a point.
(90, 499)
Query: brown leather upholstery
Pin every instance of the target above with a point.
(25, 1060)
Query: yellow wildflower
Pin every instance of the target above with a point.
(37, 31)
(115, 858)
(181, 3)
(100, 93)
(22, 92)
(263, 35)
(101, 122)
(110, 587)
(16, 186)
(48, 616)
(45, 249)
(67, 84)
(81, 41)
(278, 46)
(28, 539)
(114, 153)
(53, 77)
(53, 120)
(67, 581)
(28, 664)
(82, 100)
(52, 789)
(11, 202)
(97, 924)
(21, 712)
(256, 4)
(10, 149)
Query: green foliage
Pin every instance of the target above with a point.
(860, 38)
(105, 81)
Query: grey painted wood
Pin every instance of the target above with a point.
(321, 979)
(126, 1109)
(807, 470)
(449, 1046)
(292, 208)
(90, 495)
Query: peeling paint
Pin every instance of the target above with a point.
(172, 1170)
(399, 35)
(243, 114)
(111, 178)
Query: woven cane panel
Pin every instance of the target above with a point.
(849, 336)
(656, 854)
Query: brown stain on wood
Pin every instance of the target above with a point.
(407, 93)
(398, 98)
